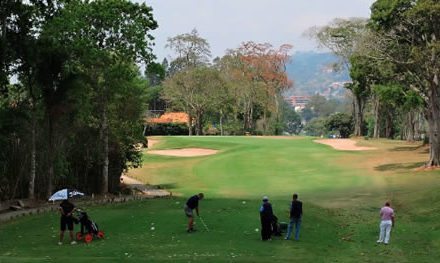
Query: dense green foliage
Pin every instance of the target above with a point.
(340, 123)
(71, 96)
(290, 120)
(393, 63)
(408, 37)
(316, 127)
(320, 111)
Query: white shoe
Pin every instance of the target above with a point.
(378, 241)
(73, 242)
(60, 243)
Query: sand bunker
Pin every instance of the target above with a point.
(344, 144)
(186, 152)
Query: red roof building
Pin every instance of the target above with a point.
(298, 102)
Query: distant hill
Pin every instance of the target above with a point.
(314, 73)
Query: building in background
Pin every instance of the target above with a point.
(298, 102)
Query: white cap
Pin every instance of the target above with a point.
(265, 198)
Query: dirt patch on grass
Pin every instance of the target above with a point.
(143, 188)
(424, 168)
(344, 144)
(185, 152)
(152, 142)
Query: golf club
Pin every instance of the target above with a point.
(204, 224)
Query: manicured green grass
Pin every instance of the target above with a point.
(251, 167)
(342, 193)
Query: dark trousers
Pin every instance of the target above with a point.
(266, 229)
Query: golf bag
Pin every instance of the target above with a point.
(89, 229)
(276, 229)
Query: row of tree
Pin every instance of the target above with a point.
(393, 59)
(71, 95)
(238, 93)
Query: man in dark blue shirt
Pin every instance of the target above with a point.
(295, 217)
(191, 204)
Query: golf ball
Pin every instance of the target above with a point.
(152, 228)
(256, 229)
(244, 202)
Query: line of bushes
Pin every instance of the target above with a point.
(166, 129)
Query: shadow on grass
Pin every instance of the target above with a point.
(166, 186)
(426, 151)
(406, 148)
(398, 166)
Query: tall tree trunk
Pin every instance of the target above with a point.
(247, 116)
(251, 118)
(221, 122)
(433, 117)
(31, 188)
(410, 126)
(198, 123)
(265, 121)
(278, 131)
(3, 39)
(200, 115)
(190, 124)
(196, 126)
(15, 153)
(376, 105)
(419, 126)
(51, 159)
(33, 168)
(358, 115)
(105, 149)
(388, 125)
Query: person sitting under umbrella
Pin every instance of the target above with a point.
(66, 210)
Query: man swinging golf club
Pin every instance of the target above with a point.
(191, 204)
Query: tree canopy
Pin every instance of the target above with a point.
(78, 98)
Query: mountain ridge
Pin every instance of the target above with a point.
(314, 72)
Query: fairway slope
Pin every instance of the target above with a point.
(341, 191)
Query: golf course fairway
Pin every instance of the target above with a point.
(341, 191)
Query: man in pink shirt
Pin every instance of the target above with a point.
(386, 223)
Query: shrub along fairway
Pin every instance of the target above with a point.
(342, 192)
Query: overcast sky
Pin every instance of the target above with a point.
(227, 23)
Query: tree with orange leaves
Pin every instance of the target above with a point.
(265, 67)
